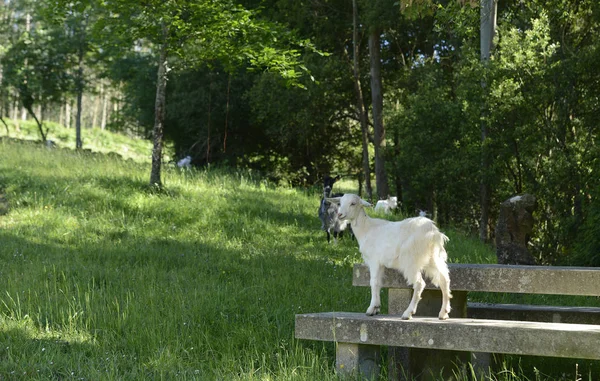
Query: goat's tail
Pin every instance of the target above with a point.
(437, 269)
(442, 239)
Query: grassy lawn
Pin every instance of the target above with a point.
(103, 279)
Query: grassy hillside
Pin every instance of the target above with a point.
(102, 279)
(94, 139)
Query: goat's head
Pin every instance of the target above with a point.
(350, 206)
(393, 202)
(328, 184)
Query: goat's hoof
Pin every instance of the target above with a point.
(406, 317)
(373, 311)
(444, 316)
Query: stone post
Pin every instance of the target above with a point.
(513, 230)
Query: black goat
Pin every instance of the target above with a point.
(328, 212)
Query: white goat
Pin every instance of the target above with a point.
(413, 246)
(185, 162)
(387, 205)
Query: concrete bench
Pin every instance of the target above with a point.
(426, 347)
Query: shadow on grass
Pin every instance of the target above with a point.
(143, 296)
(27, 357)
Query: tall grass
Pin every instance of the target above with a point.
(103, 279)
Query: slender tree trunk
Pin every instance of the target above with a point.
(68, 113)
(61, 113)
(24, 110)
(96, 106)
(159, 109)
(15, 109)
(398, 175)
(208, 126)
(78, 144)
(5, 125)
(360, 105)
(3, 93)
(226, 115)
(104, 94)
(39, 124)
(377, 100)
(488, 28)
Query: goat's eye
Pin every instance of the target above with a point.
(352, 203)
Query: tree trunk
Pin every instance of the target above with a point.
(61, 113)
(397, 174)
(68, 113)
(39, 124)
(159, 113)
(95, 111)
(360, 106)
(15, 109)
(78, 143)
(377, 99)
(226, 114)
(104, 94)
(5, 125)
(488, 28)
(208, 126)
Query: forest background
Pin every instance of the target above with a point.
(403, 94)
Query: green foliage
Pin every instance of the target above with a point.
(240, 94)
(533, 95)
(587, 246)
(534, 117)
(437, 150)
(35, 65)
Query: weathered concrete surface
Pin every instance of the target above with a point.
(491, 336)
(553, 314)
(503, 278)
(513, 230)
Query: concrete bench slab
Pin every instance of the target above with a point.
(478, 335)
(549, 280)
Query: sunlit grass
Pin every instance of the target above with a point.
(93, 139)
(105, 279)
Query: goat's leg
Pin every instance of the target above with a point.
(418, 287)
(328, 236)
(376, 275)
(446, 295)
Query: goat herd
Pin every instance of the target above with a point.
(328, 211)
(413, 246)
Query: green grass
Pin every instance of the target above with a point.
(93, 139)
(104, 279)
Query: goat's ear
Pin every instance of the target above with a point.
(365, 203)
(334, 200)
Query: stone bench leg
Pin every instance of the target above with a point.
(424, 364)
(352, 359)
(484, 363)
